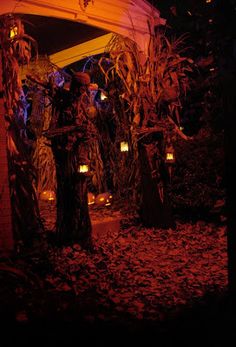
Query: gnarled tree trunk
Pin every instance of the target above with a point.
(73, 221)
(155, 210)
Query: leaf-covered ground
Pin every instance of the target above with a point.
(133, 275)
(146, 273)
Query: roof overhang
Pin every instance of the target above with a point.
(132, 19)
(81, 51)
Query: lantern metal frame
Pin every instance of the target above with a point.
(169, 155)
(83, 169)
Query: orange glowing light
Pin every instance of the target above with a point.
(48, 195)
(103, 96)
(13, 32)
(169, 156)
(103, 199)
(83, 168)
(124, 146)
(91, 199)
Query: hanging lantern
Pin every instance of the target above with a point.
(170, 155)
(13, 32)
(47, 195)
(103, 96)
(124, 146)
(91, 198)
(104, 199)
(83, 168)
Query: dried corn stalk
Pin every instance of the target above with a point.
(151, 82)
(43, 159)
(153, 87)
(16, 50)
(40, 118)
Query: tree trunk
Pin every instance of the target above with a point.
(82, 223)
(6, 232)
(155, 209)
(73, 221)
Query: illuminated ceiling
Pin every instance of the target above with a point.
(68, 32)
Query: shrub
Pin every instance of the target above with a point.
(198, 186)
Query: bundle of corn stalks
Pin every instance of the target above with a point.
(16, 50)
(153, 84)
(40, 118)
(39, 68)
(43, 159)
(97, 167)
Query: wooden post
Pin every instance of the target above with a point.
(6, 233)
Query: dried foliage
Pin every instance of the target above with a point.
(146, 273)
(153, 84)
(43, 162)
(110, 122)
(16, 50)
(98, 181)
(27, 225)
(149, 91)
(39, 68)
(40, 119)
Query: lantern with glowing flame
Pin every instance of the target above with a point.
(104, 199)
(83, 169)
(103, 96)
(91, 198)
(170, 155)
(124, 146)
(13, 32)
(47, 195)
